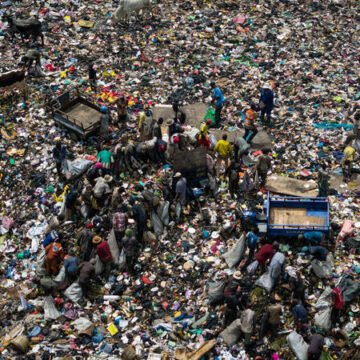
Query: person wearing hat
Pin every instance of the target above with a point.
(104, 254)
(266, 103)
(180, 194)
(105, 157)
(130, 246)
(218, 100)
(86, 273)
(232, 296)
(59, 154)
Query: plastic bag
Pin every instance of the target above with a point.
(113, 245)
(40, 269)
(251, 269)
(234, 255)
(156, 223)
(215, 291)
(325, 300)
(99, 266)
(163, 212)
(298, 345)
(77, 167)
(232, 333)
(212, 140)
(50, 311)
(122, 260)
(60, 277)
(322, 319)
(265, 281)
(74, 292)
(210, 115)
(322, 269)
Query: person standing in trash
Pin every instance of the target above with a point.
(241, 148)
(312, 237)
(347, 161)
(59, 155)
(250, 127)
(104, 254)
(318, 252)
(224, 149)
(298, 288)
(266, 103)
(106, 159)
(84, 241)
(232, 172)
(276, 267)
(337, 305)
(300, 316)
(323, 181)
(104, 122)
(101, 191)
(232, 296)
(92, 77)
(139, 215)
(271, 319)
(31, 56)
(86, 273)
(203, 136)
(218, 100)
(131, 247)
(54, 256)
(252, 240)
(180, 195)
(263, 166)
(122, 105)
(316, 346)
(71, 263)
(119, 222)
(265, 253)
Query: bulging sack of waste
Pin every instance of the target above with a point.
(325, 300)
(232, 333)
(298, 345)
(20, 343)
(322, 269)
(74, 292)
(40, 262)
(60, 277)
(322, 319)
(156, 223)
(122, 260)
(265, 281)
(99, 266)
(251, 269)
(215, 291)
(50, 311)
(234, 255)
(114, 247)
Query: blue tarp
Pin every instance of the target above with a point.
(332, 126)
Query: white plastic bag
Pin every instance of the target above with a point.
(322, 269)
(40, 262)
(298, 345)
(251, 269)
(74, 292)
(325, 300)
(234, 255)
(322, 319)
(156, 223)
(122, 260)
(265, 281)
(99, 266)
(50, 311)
(60, 277)
(113, 245)
(232, 333)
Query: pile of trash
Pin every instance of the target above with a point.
(167, 304)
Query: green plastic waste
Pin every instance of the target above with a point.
(210, 115)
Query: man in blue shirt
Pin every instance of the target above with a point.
(218, 100)
(318, 252)
(312, 237)
(266, 102)
(252, 240)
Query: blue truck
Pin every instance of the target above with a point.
(288, 216)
